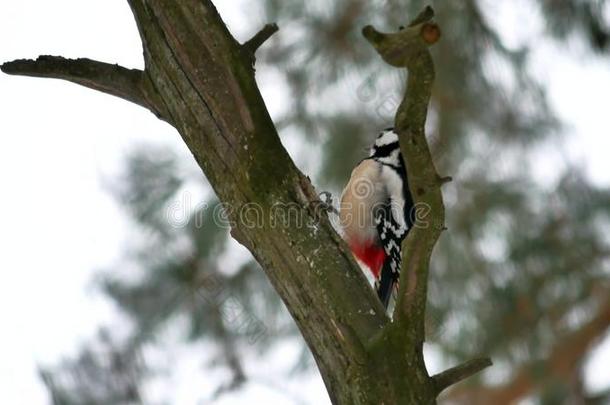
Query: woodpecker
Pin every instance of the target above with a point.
(375, 212)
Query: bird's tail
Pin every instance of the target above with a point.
(388, 283)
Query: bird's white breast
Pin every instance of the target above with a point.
(365, 189)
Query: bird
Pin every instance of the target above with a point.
(376, 212)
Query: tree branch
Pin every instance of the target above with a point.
(458, 373)
(445, 180)
(426, 15)
(404, 47)
(408, 48)
(116, 80)
(260, 37)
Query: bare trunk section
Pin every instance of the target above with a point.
(201, 80)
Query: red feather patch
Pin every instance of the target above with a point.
(372, 255)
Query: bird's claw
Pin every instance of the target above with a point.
(326, 198)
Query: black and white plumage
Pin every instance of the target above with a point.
(376, 208)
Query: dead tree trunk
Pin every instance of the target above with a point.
(201, 80)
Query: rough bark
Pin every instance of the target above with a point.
(201, 80)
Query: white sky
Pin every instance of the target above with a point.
(59, 142)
